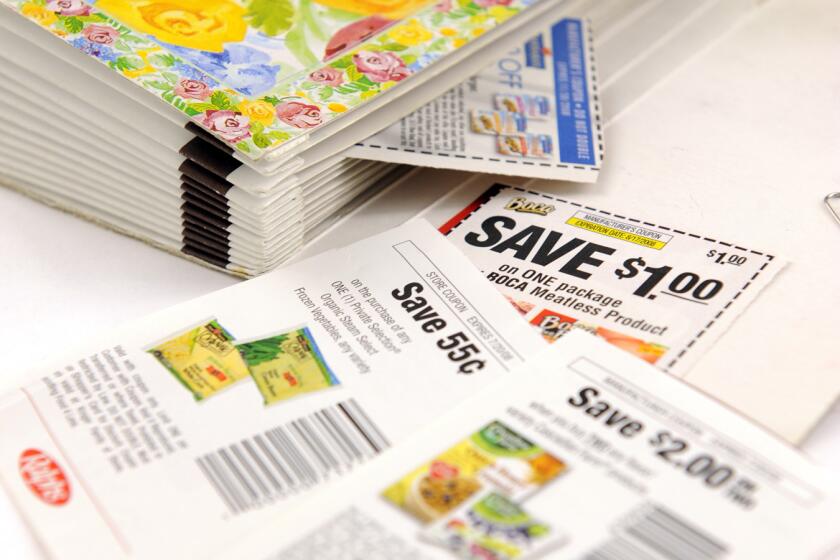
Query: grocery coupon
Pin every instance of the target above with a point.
(657, 291)
(534, 113)
(586, 453)
(179, 431)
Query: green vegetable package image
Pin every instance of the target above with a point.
(287, 365)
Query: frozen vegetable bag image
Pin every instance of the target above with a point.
(287, 365)
(202, 358)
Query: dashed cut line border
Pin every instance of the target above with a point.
(498, 188)
(595, 101)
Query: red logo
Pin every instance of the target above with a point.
(44, 477)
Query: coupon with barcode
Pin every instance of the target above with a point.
(183, 429)
(586, 453)
(656, 290)
(535, 112)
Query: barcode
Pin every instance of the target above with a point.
(283, 460)
(653, 533)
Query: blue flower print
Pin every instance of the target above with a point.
(423, 61)
(102, 52)
(240, 67)
(192, 73)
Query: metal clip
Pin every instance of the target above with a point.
(828, 198)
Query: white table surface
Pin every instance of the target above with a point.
(760, 107)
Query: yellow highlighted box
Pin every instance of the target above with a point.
(616, 233)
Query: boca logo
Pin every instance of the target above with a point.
(44, 477)
(522, 204)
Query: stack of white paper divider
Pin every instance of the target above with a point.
(232, 131)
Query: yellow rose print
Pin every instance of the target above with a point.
(410, 34)
(146, 69)
(258, 111)
(391, 9)
(38, 13)
(195, 24)
(501, 13)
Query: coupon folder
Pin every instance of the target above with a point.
(233, 135)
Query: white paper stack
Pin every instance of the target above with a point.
(233, 131)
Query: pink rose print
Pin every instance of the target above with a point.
(68, 7)
(299, 114)
(354, 33)
(327, 76)
(444, 6)
(101, 34)
(381, 66)
(489, 3)
(230, 125)
(192, 89)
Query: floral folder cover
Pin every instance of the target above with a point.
(259, 73)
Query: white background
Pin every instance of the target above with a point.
(747, 135)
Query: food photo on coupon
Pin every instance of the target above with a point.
(587, 452)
